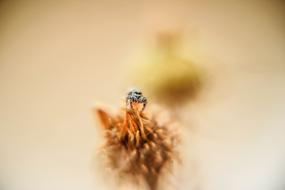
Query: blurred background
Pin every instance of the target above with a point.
(58, 58)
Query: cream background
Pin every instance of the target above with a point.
(59, 57)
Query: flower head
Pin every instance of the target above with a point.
(136, 146)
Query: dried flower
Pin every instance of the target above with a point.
(137, 147)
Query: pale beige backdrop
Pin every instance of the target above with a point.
(57, 58)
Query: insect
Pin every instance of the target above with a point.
(136, 97)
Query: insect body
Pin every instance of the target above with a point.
(135, 96)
